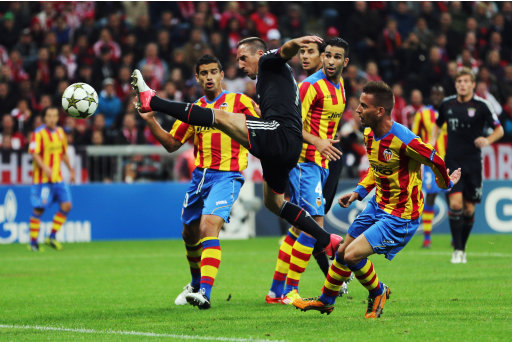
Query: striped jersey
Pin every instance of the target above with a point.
(214, 149)
(51, 145)
(424, 122)
(323, 104)
(395, 171)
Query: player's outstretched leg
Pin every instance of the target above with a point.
(186, 112)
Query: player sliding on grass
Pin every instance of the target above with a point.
(216, 180)
(393, 214)
(275, 138)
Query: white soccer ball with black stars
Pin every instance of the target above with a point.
(80, 100)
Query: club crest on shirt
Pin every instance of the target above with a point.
(224, 106)
(318, 201)
(388, 154)
(471, 112)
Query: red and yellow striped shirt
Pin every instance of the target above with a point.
(51, 146)
(323, 104)
(395, 171)
(212, 148)
(424, 121)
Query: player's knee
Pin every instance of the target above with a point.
(66, 207)
(351, 258)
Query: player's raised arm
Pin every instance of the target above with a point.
(291, 47)
(168, 141)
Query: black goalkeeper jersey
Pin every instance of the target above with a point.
(277, 92)
(465, 122)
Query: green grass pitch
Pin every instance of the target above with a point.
(124, 291)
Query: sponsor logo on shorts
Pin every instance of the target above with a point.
(221, 202)
(318, 201)
(388, 242)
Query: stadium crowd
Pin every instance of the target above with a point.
(46, 46)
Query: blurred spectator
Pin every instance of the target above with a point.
(292, 24)
(458, 15)
(415, 103)
(134, 9)
(423, 32)
(219, 47)
(352, 139)
(232, 82)
(506, 85)
(68, 59)
(159, 67)
(398, 114)
(165, 47)
(507, 118)
(21, 114)
(7, 98)
(26, 47)
(51, 43)
(433, 71)
(372, 72)
(144, 32)
(87, 27)
(15, 64)
(85, 75)
(482, 91)
(8, 31)
(99, 167)
(194, 48)
(231, 12)
(129, 133)
(263, 19)
(46, 17)
(465, 59)
(104, 67)
(452, 37)
(273, 39)
(122, 84)
(41, 71)
(62, 30)
(105, 43)
(404, 18)
(13, 138)
(388, 45)
(109, 104)
(493, 63)
(83, 51)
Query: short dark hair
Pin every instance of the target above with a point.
(382, 93)
(339, 42)
(254, 43)
(207, 59)
(45, 110)
(320, 46)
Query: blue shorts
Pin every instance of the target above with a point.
(387, 234)
(306, 183)
(44, 194)
(211, 192)
(429, 181)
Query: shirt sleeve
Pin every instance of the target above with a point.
(35, 144)
(440, 115)
(307, 97)
(181, 131)
(366, 184)
(245, 106)
(426, 154)
(490, 115)
(272, 59)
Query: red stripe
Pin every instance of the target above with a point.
(210, 262)
(341, 272)
(416, 197)
(332, 91)
(304, 89)
(279, 276)
(439, 164)
(216, 150)
(328, 292)
(371, 281)
(330, 135)
(207, 280)
(181, 130)
(190, 110)
(200, 150)
(385, 191)
(384, 145)
(289, 240)
(343, 91)
(235, 160)
(369, 144)
(284, 256)
(301, 255)
(298, 216)
(333, 281)
(314, 125)
(403, 180)
(366, 274)
(296, 268)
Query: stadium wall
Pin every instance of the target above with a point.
(152, 211)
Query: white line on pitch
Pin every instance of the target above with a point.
(477, 254)
(133, 333)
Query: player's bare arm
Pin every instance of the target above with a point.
(496, 135)
(291, 47)
(324, 146)
(39, 161)
(65, 159)
(167, 140)
(435, 134)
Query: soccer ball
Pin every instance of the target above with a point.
(80, 100)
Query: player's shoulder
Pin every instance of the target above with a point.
(449, 99)
(315, 77)
(40, 129)
(482, 102)
(403, 133)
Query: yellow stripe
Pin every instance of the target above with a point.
(212, 253)
(282, 267)
(331, 286)
(209, 271)
(208, 238)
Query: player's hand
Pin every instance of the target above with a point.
(256, 108)
(327, 150)
(455, 176)
(146, 116)
(308, 39)
(72, 176)
(347, 199)
(47, 171)
(481, 142)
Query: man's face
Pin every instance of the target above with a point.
(464, 85)
(310, 57)
(51, 118)
(334, 61)
(436, 96)
(248, 61)
(368, 112)
(209, 77)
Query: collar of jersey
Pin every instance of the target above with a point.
(49, 130)
(324, 76)
(215, 99)
(389, 132)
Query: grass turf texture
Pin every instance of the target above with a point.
(109, 287)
